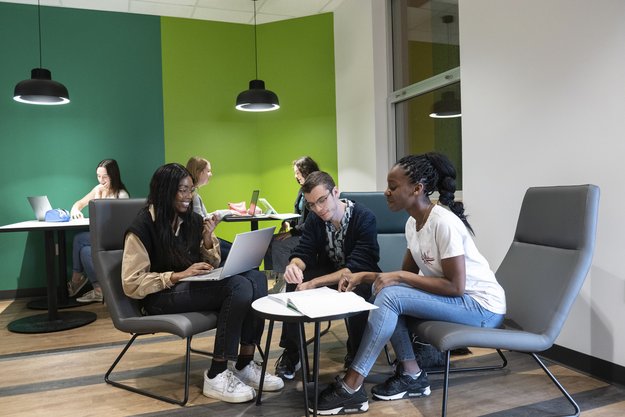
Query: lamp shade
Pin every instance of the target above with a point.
(447, 107)
(257, 98)
(41, 89)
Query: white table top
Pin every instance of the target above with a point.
(275, 310)
(32, 225)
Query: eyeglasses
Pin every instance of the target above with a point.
(186, 190)
(320, 201)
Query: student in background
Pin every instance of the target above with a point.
(339, 237)
(201, 173)
(110, 185)
(277, 257)
(443, 277)
(168, 241)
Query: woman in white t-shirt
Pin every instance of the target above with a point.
(110, 185)
(443, 277)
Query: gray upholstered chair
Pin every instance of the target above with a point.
(391, 228)
(542, 273)
(109, 219)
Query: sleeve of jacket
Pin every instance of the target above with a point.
(311, 242)
(363, 252)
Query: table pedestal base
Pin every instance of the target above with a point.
(42, 304)
(41, 323)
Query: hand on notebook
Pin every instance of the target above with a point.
(195, 269)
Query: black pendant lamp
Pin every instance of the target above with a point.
(40, 88)
(257, 98)
(448, 106)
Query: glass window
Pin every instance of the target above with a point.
(426, 78)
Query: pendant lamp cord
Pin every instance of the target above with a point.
(39, 24)
(255, 42)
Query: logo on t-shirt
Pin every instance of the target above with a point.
(427, 259)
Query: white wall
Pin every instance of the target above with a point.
(543, 97)
(361, 64)
(542, 102)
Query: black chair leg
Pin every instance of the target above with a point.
(147, 393)
(446, 383)
(503, 364)
(557, 384)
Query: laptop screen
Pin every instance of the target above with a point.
(253, 202)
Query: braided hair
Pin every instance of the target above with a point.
(436, 172)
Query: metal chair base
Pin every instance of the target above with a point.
(148, 393)
(447, 371)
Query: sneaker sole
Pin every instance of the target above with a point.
(267, 386)
(240, 398)
(405, 394)
(352, 409)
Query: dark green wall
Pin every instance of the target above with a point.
(111, 65)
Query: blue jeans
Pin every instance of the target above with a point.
(231, 298)
(396, 303)
(81, 256)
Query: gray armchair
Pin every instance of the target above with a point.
(391, 228)
(109, 219)
(542, 273)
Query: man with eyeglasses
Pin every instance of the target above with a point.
(338, 236)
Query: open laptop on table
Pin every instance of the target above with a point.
(247, 252)
(40, 205)
(251, 211)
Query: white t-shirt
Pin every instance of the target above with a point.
(444, 236)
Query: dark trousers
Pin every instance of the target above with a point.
(279, 252)
(231, 298)
(289, 339)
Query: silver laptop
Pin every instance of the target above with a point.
(40, 205)
(247, 252)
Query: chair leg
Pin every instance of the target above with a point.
(557, 384)
(147, 393)
(446, 383)
(503, 364)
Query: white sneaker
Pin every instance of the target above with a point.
(250, 375)
(227, 387)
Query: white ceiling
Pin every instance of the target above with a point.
(234, 11)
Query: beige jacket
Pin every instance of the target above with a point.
(137, 279)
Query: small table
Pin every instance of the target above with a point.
(255, 219)
(272, 310)
(54, 320)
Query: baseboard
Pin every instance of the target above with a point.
(598, 368)
(22, 293)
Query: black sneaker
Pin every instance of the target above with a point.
(336, 400)
(402, 386)
(285, 368)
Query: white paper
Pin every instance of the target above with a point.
(323, 302)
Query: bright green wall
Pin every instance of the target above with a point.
(205, 66)
(111, 65)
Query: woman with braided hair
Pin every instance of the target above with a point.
(443, 277)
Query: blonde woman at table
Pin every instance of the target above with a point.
(110, 185)
(201, 173)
